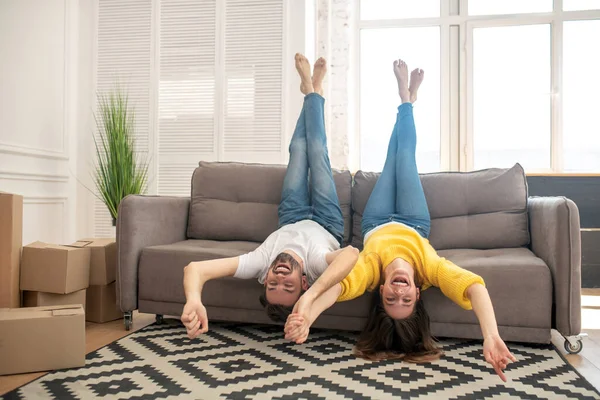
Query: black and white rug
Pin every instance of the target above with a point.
(254, 362)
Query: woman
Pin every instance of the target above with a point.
(398, 260)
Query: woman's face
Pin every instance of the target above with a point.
(399, 293)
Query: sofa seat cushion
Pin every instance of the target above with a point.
(519, 283)
(161, 267)
(161, 277)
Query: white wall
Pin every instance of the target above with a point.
(47, 79)
(40, 122)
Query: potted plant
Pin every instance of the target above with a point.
(119, 170)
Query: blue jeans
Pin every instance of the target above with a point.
(398, 194)
(308, 188)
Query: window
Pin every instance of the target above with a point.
(496, 7)
(379, 93)
(574, 5)
(206, 79)
(505, 81)
(395, 9)
(511, 105)
(581, 82)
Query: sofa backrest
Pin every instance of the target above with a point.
(474, 210)
(238, 201)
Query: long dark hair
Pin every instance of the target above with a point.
(406, 339)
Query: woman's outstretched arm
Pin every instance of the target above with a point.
(494, 349)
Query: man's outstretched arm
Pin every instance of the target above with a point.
(321, 295)
(195, 275)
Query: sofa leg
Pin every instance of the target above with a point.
(574, 344)
(159, 319)
(128, 319)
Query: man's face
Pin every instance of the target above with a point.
(284, 282)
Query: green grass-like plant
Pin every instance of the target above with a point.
(119, 170)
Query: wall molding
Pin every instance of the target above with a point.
(45, 200)
(28, 176)
(10, 148)
(50, 200)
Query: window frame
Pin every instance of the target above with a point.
(456, 80)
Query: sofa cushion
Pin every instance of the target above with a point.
(483, 209)
(160, 271)
(519, 283)
(236, 201)
(161, 277)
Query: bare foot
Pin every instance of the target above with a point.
(319, 71)
(416, 78)
(303, 67)
(401, 72)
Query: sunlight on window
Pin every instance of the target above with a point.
(511, 96)
(495, 7)
(573, 5)
(419, 47)
(240, 96)
(581, 101)
(395, 9)
(190, 96)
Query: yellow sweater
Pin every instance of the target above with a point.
(399, 241)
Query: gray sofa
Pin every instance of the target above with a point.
(526, 249)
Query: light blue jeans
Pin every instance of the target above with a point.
(308, 188)
(398, 194)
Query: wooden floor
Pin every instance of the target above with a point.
(587, 362)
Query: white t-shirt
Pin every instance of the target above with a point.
(309, 240)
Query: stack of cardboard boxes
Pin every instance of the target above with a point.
(56, 275)
(101, 305)
(58, 282)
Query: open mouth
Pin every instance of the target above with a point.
(400, 281)
(282, 269)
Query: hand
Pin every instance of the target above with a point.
(298, 323)
(497, 354)
(194, 318)
(297, 328)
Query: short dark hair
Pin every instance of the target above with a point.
(276, 312)
(407, 339)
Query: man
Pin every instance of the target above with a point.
(311, 225)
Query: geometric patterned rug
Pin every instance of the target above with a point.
(236, 361)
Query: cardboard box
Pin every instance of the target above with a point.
(41, 338)
(40, 299)
(101, 304)
(103, 264)
(54, 268)
(11, 234)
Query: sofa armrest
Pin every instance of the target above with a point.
(556, 239)
(145, 221)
